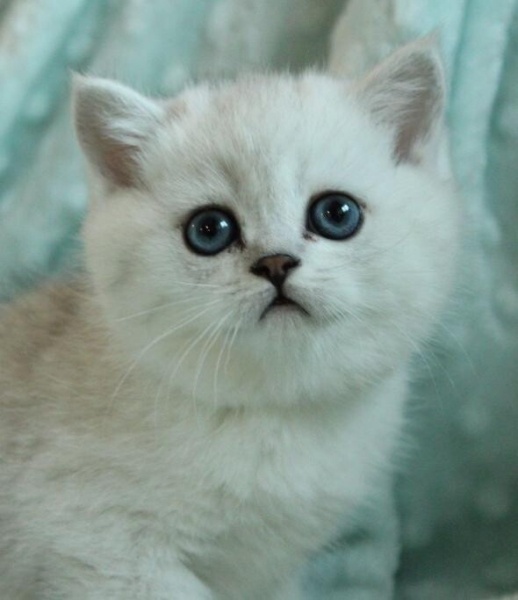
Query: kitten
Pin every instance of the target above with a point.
(224, 389)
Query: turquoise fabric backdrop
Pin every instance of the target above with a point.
(460, 498)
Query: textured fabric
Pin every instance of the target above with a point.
(460, 498)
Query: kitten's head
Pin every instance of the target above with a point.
(285, 235)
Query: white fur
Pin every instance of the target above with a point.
(199, 452)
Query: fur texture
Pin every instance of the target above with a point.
(160, 439)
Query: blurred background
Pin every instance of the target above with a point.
(459, 496)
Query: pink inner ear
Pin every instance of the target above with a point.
(406, 93)
(114, 124)
(418, 117)
(119, 163)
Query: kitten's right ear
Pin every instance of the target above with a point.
(114, 123)
(406, 93)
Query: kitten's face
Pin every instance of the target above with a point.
(271, 234)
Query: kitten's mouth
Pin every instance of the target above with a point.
(282, 302)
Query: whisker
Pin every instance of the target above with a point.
(422, 356)
(460, 346)
(218, 363)
(333, 310)
(151, 345)
(188, 349)
(161, 307)
(234, 334)
(211, 340)
(204, 285)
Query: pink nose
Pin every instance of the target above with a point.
(275, 267)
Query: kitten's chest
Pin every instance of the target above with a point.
(266, 477)
(268, 492)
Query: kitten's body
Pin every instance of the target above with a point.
(162, 438)
(241, 495)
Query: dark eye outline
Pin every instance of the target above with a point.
(235, 237)
(314, 228)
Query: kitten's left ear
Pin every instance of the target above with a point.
(114, 124)
(406, 93)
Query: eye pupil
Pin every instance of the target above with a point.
(336, 211)
(334, 216)
(209, 227)
(210, 231)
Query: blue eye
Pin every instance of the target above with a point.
(335, 216)
(210, 231)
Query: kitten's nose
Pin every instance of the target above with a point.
(275, 267)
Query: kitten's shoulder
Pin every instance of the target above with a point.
(40, 320)
(47, 309)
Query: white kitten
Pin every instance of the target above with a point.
(224, 390)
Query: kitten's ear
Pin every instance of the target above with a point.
(113, 124)
(406, 92)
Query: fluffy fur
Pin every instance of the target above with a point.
(159, 440)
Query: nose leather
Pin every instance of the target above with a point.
(275, 267)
